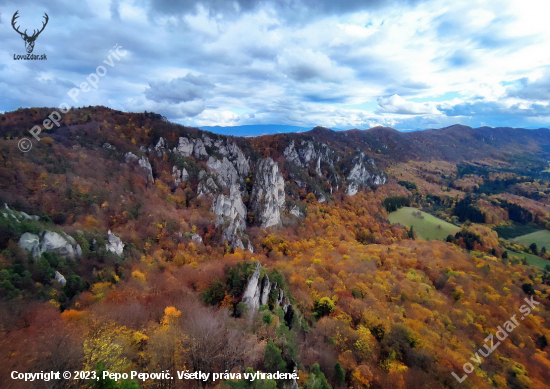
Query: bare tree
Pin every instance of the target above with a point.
(215, 343)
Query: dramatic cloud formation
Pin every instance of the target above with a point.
(403, 63)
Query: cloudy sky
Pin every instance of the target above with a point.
(409, 64)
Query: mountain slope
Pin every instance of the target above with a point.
(131, 243)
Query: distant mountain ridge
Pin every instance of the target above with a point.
(384, 144)
(254, 129)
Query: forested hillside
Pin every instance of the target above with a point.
(131, 243)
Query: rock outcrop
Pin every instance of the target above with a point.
(295, 211)
(232, 168)
(268, 194)
(184, 147)
(231, 217)
(50, 242)
(252, 293)
(143, 162)
(235, 156)
(225, 177)
(60, 278)
(61, 244)
(197, 239)
(190, 147)
(257, 293)
(31, 243)
(17, 216)
(292, 155)
(307, 152)
(160, 147)
(226, 172)
(179, 175)
(361, 175)
(207, 186)
(114, 244)
(322, 159)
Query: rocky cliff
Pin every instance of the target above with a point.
(330, 169)
(268, 194)
(251, 182)
(143, 162)
(258, 291)
(361, 174)
(247, 189)
(231, 216)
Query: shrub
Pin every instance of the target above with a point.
(215, 294)
(323, 307)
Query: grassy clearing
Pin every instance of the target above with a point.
(532, 260)
(541, 238)
(426, 226)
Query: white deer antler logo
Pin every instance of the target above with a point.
(29, 40)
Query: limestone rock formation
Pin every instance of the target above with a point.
(143, 162)
(268, 194)
(190, 147)
(179, 175)
(227, 174)
(114, 244)
(61, 244)
(197, 239)
(207, 186)
(31, 243)
(130, 157)
(265, 290)
(18, 216)
(184, 147)
(160, 147)
(252, 293)
(257, 293)
(231, 216)
(232, 168)
(51, 242)
(295, 211)
(72, 242)
(237, 158)
(307, 152)
(361, 175)
(292, 155)
(60, 278)
(228, 170)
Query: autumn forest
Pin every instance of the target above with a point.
(129, 243)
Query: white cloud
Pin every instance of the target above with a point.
(397, 104)
(305, 65)
(181, 89)
(215, 118)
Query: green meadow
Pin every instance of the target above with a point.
(426, 226)
(541, 238)
(532, 260)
